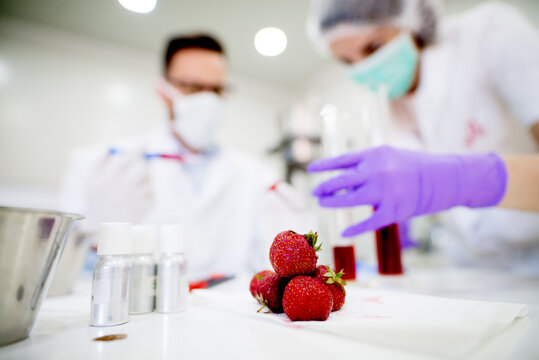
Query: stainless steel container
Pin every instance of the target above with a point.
(70, 265)
(31, 243)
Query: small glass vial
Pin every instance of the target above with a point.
(143, 268)
(110, 286)
(172, 289)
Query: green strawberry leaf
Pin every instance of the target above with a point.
(334, 278)
(312, 238)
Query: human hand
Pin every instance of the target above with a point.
(401, 183)
(121, 188)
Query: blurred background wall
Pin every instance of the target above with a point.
(73, 73)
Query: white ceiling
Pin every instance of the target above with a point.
(235, 22)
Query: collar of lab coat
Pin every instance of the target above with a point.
(207, 172)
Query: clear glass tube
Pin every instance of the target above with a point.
(378, 117)
(334, 143)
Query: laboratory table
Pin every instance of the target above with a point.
(62, 330)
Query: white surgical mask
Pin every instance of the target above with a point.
(197, 118)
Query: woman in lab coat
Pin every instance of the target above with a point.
(466, 85)
(232, 206)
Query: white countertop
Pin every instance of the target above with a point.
(62, 330)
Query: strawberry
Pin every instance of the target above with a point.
(334, 283)
(270, 292)
(253, 286)
(306, 298)
(294, 254)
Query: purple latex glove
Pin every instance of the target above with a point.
(400, 183)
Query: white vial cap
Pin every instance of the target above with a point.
(172, 239)
(115, 238)
(145, 239)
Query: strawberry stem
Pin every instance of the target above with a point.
(264, 303)
(312, 238)
(263, 306)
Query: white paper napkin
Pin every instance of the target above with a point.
(427, 324)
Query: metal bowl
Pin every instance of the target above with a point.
(71, 264)
(31, 243)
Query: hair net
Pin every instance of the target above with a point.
(331, 19)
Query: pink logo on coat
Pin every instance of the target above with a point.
(474, 130)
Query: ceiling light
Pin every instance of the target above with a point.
(139, 6)
(270, 41)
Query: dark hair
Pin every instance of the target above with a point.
(200, 41)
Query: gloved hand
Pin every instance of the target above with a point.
(120, 189)
(401, 183)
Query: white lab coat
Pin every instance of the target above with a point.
(479, 92)
(224, 200)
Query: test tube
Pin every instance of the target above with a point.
(378, 116)
(345, 260)
(388, 250)
(334, 143)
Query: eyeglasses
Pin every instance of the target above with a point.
(192, 88)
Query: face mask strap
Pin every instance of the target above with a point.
(166, 89)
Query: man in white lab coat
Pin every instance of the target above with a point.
(232, 206)
(468, 84)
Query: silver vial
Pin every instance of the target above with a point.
(142, 284)
(110, 286)
(143, 269)
(110, 291)
(172, 289)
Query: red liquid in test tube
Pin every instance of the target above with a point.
(388, 250)
(345, 260)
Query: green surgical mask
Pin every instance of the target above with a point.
(392, 66)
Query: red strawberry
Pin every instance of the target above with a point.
(270, 292)
(334, 283)
(306, 298)
(253, 286)
(294, 254)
